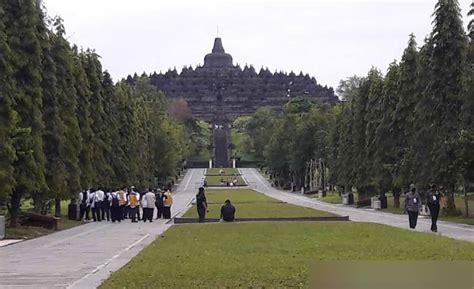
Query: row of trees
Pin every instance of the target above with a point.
(64, 125)
(413, 125)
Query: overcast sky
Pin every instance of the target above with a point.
(330, 40)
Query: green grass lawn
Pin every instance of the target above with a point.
(237, 196)
(227, 171)
(261, 210)
(272, 255)
(216, 180)
(332, 198)
(30, 232)
(251, 204)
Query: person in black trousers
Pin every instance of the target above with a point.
(84, 206)
(201, 204)
(434, 199)
(412, 206)
(106, 206)
(115, 208)
(159, 204)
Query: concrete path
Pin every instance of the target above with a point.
(452, 230)
(84, 256)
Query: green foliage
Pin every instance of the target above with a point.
(8, 116)
(66, 126)
(413, 125)
(297, 105)
(259, 129)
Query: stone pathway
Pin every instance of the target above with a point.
(452, 230)
(84, 256)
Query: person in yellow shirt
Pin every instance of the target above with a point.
(167, 204)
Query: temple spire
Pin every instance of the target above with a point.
(218, 48)
(218, 58)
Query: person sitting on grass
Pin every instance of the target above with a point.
(227, 212)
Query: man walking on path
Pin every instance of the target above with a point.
(412, 205)
(201, 204)
(167, 204)
(227, 212)
(434, 199)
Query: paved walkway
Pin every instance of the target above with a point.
(452, 230)
(84, 256)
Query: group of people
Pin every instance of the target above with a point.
(118, 205)
(413, 205)
(227, 210)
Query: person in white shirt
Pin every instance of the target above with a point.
(106, 205)
(92, 201)
(84, 205)
(148, 205)
(97, 199)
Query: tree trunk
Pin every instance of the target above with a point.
(14, 209)
(57, 207)
(466, 201)
(450, 206)
(38, 199)
(396, 197)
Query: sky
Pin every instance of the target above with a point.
(330, 40)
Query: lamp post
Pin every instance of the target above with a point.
(289, 90)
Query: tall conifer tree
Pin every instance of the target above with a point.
(8, 117)
(384, 141)
(82, 87)
(403, 116)
(21, 22)
(445, 88)
(70, 140)
(54, 132)
(101, 140)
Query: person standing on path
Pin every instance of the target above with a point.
(412, 205)
(159, 204)
(168, 201)
(115, 207)
(434, 199)
(126, 209)
(201, 204)
(94, 206)
(99, 200)
(134, 199)
(84, 206)
(106, 205)
(122, 200)
(149, 207)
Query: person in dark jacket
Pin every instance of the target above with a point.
(105, 209)
(433, 200)
(412, 205)
(228, 212)
(201, 204)
(159, 204)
